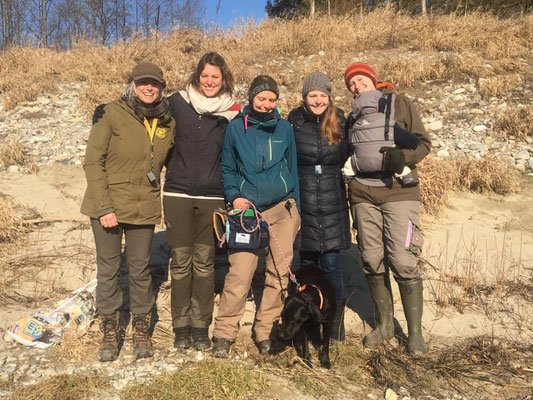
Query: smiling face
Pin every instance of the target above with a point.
(265, 101)
(147, 90)
(360, 83)
(317, 101)
(210, 80)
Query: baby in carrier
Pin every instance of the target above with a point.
(373, 131)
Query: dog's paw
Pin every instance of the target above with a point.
(325, 364)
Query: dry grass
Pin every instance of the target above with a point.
(480, 367)
(76, 348)
(26, 72)
(499, 85)
(516, 122)
(64, 387)
(11, 227)
(14, 153)
(440, 177)
(207, 379)
(486, 175)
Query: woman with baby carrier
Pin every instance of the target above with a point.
(385, 203)
(322, 151)
(126, 150)
(259, 172)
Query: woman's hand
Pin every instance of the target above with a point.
(109, 220)
(240, 203)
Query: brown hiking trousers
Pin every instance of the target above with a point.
(284, 225)
(388, 234)
(190, 234)
(138, 239)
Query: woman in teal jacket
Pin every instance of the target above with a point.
(259, 166)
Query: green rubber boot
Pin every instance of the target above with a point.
(413, 302)
(382, 295)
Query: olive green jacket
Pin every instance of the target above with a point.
(407, 117)
(117, 161)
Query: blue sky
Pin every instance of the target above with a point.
(233, 9)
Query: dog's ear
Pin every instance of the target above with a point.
(312, 308)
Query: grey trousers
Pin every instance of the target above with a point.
(389, 234)
(190, 235)
(108, 242)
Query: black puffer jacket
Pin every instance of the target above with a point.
(325, 220)
(194, 167)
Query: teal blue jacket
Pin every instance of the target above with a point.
(259, 161)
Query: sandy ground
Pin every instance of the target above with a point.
(477, 260)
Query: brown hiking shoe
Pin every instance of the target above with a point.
(110, 345)
(142, 346)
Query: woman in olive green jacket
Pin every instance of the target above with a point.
(125, 152)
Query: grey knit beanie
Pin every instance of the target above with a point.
(316, 81)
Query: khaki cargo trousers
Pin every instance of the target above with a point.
(388, 234)
(284, 222)
(108, 241)
(191, 237)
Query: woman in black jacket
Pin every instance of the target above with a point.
(322, 151)
(192, 191)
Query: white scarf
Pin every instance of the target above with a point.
(219, 105)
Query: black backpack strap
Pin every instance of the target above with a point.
(387, 116)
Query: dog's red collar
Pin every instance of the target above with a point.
(319, 294)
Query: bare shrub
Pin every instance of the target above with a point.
(437, 179)
(486, 175)
(10, 225)
(516, 121)
(14, 153)
(499, 85)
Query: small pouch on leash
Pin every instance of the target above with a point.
(246, 230)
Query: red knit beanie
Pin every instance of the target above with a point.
(359, 69)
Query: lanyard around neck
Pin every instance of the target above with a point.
(151, 129)
(151, 133)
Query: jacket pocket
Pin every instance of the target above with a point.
(114, 179)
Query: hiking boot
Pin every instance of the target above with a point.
(182, 338)
(264, 347)
(200, 338)
(381, 293)
(337, 326)
(110, 345)
(413, 302)
(221, 347)
(142, 346)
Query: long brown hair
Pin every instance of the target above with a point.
(213, 58)
(330, 124)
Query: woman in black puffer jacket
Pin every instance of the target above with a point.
(322, 151)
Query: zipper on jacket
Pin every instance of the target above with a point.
(270, 146)
(283, 179)
(242, 184)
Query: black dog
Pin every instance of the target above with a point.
(308, 309)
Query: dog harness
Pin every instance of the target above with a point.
(319, 294)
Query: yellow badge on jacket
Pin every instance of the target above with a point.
(161, 132)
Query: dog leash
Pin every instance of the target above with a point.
(287, 264)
